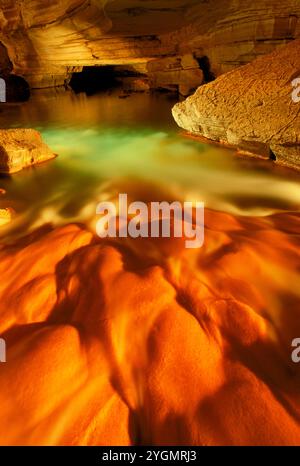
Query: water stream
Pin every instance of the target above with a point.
(107, 144)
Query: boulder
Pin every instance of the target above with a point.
(20, 148)
(251, 108)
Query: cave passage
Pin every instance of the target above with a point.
(205, 66)
(94, 79)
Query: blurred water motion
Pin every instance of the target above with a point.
(107, 145)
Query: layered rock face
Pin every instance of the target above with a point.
(183, 72)
(45, 42)
(177, 73)
(5, 216)
(252, 107)
(233, 33)
(20, 148)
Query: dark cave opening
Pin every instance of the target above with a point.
(272, 156)
(94, 79)
(17, 89)
(205, 66)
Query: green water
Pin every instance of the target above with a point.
(107, 145)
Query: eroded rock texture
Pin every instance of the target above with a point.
(251, 107)
(233, 33)
(181, 72)
(20, 148)
(45, 42)
(112, 344)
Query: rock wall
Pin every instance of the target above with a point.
(178, 73)
(45, 42)
(233, 33)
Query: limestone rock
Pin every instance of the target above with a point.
(251, 107)
(5, 214)
(178, 72)
(20, 148)
(233, 33)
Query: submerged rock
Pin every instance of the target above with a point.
(185, 337)
(5, 216)
(251, 108)
(20, 148)
(17, 89)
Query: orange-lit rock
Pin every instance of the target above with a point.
(181, 72)
(111, 343)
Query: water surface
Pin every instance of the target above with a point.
(107, 145)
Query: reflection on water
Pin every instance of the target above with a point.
(107, 145)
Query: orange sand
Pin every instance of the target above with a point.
(146, 342)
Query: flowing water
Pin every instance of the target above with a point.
(144, 341)
(106, 145)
